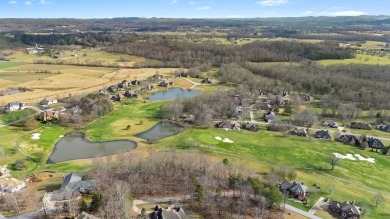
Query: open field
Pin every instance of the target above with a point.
(61, 80)
(81, 57)
(360, 59)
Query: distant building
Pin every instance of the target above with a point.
(73, 185)
(49, 115)
(294, 190)
(324, 134)
(345, 209)
(385, 128)
(35, 50)
(360, 125)
(14, 106)
(375, 143)
(168, 213)
(231, 125)
(270, 116)
(11, 185)
(348, 139)
(298, 132)
(331, 124)
(48, 101)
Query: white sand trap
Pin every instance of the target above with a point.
(348, 156)
(226, 140)
(61, 136)
(218, 138)
(360, 157)
(36, 136)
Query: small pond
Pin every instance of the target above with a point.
(74, 146)
(174, 94)
(10, 92)
(161, 130)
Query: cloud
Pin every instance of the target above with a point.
(308, 12)
(44, 2)
(270, 3)
(173, 2)
(344, 13)
(203, 8)
(234, 16)
(348, 13)
(191, 3)
(13, 2)
(28, 3)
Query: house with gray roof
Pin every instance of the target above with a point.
(167, 213)
(375, 143)
(385, 128)
(346, 209)
(14, 106)
(329, 123)
(73, 185)
(324, 134)
(294, 190)
(348, 139)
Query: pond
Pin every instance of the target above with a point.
(10, 92)
(161, 130)
(74, 146)
(174, 94)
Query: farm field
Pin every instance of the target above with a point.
(93, 57)
(360, 59)
(61, 80)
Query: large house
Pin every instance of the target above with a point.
(331, 124)
(360, 125)
(375, 143)
(298, 132)
(73, 185)
(48, 101)
(35, 50)
(168, 213)
(11, 185)
(294, 190)
(306, 97)
(385, 128)
(324, 134)
(14, 106)
(49, 115)
(232, 125)
(270, 116)
(251, 127)
(166, 83)
(346, 210)
(348, 139)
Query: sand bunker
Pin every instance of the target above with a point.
(226, 140)
(348, 156)
(351, 157)
(360, 157)
(36, 136)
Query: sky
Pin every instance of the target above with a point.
(189, 8)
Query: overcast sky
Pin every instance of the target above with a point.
(189, 8)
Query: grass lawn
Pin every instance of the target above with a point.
(13, 116)
(4, 65)
(359, 59)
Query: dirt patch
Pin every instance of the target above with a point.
(184, 84)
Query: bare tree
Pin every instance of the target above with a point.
(378, 198)
(333, 160)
